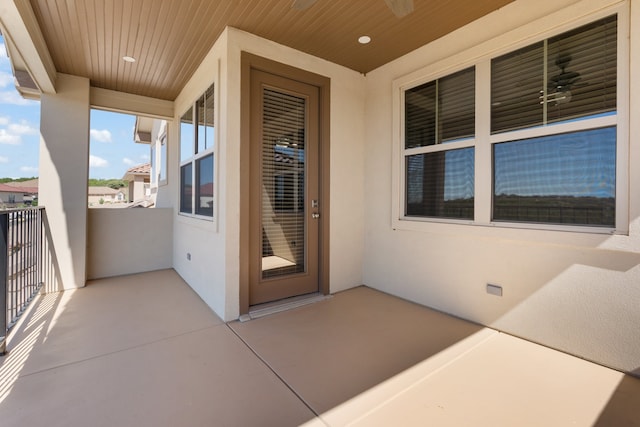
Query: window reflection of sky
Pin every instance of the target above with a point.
(579, 164)
(186, 139)
(459, 174)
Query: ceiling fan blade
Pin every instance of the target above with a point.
(302, 4)
(400, 8)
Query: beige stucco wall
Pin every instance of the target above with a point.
(578, 292)
(16, 197)
(213, 270)
(127, 241)
(200, 239)
(136, 189)
(64, 161)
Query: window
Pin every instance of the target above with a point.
(557, 177)
(544, 146)
(438, 149)
(186, 188)
(561, 179)
(197, 157)
(204, 190)
(580, 70)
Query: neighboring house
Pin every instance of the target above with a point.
(99, 196)
(138, 177)
(10, 196)
(478, 157)
(153, 132)
(18, 193)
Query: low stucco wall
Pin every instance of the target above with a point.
(127, 241)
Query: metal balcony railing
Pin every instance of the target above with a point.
(22, 244)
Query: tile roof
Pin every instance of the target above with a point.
(143, 169)
(32, 183)
(8, 188)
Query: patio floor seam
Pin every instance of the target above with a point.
(110, 353)
(280, 378)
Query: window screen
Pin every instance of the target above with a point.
(559, 179)
(441, 184)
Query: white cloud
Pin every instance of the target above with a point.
(128, 161)
(100, 135)
(97, 162)
(12, 97)
(4, 159)
(3, 51)
(9, 138)
(6, 79)
(28, 169)
(12, 134)
(145, 157)
(22, 128)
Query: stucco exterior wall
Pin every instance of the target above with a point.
(128, 241)
(13, 197)
(64, 161)
(199, 244)
(213, 270)
(577, 292)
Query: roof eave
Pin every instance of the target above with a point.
(31, 61)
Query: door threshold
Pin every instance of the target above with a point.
(268, 308)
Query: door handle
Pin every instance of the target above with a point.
(315, 215)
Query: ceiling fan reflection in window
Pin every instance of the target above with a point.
(559, 86)
(399, 8)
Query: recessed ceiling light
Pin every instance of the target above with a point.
(128, 59)
(364, 39)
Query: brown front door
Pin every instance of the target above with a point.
(284, 188)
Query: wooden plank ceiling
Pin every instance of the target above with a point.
(169, 38)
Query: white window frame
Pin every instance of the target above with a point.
(163, 155)
(480, 56)
(448, 146)
(153, 159)
(197, 156)
(159, 157)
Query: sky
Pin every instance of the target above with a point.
(112, 149)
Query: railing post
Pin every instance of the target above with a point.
(4, 234)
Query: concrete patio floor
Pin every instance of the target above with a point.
(144, 350)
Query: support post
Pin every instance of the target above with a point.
(64, 173)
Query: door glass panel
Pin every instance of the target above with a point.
(283, 184)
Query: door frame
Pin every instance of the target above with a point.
(253, 62)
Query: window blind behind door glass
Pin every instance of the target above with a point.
(283, 170)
